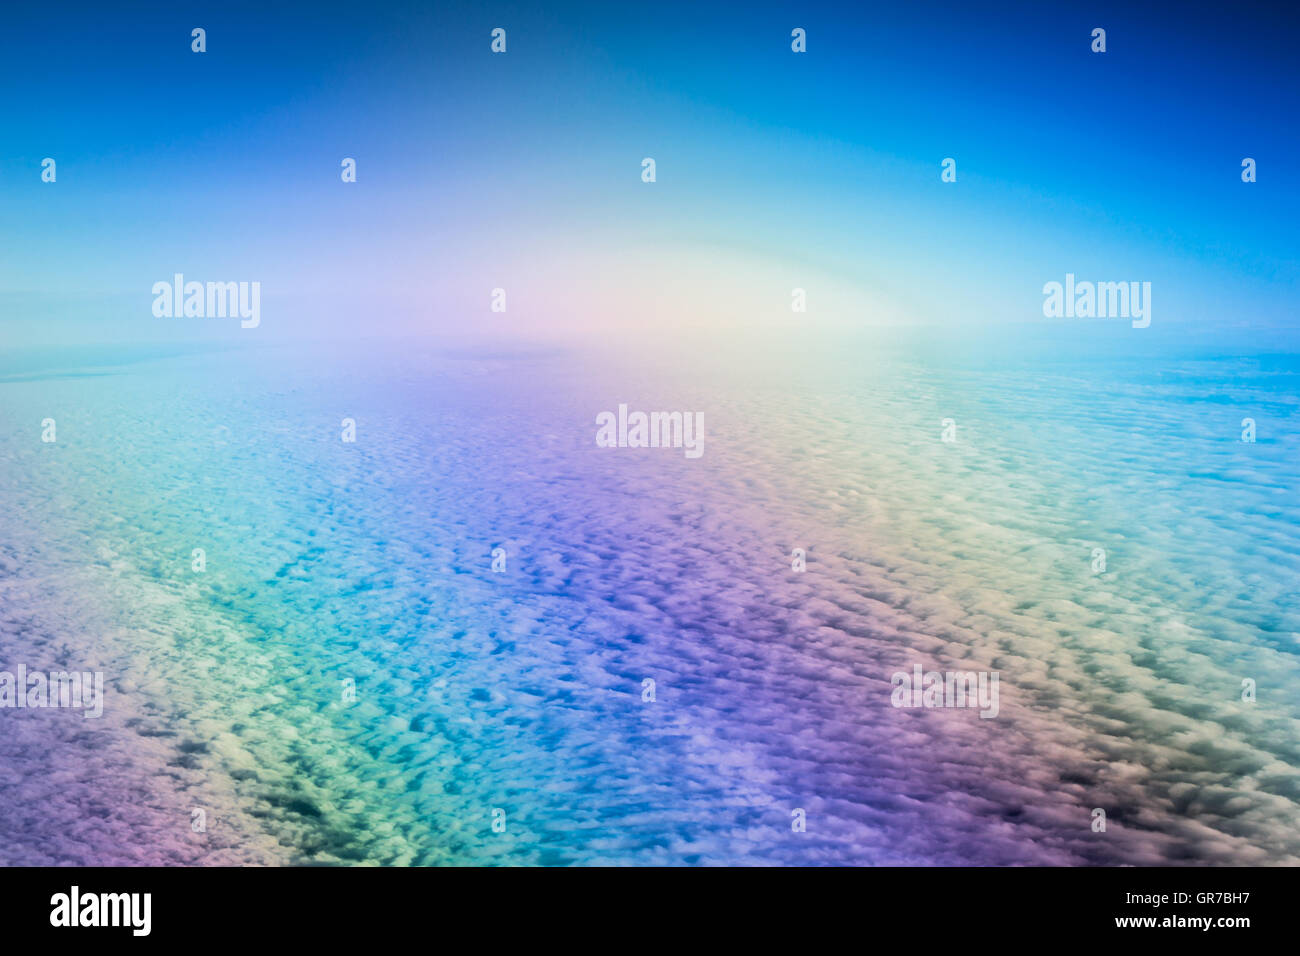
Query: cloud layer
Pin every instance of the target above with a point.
(371, 562)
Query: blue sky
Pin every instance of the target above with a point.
(1122, 165)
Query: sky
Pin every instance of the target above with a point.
(521, 171)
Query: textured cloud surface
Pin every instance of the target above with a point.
(372, 562)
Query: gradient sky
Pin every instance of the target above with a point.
(775, 170)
